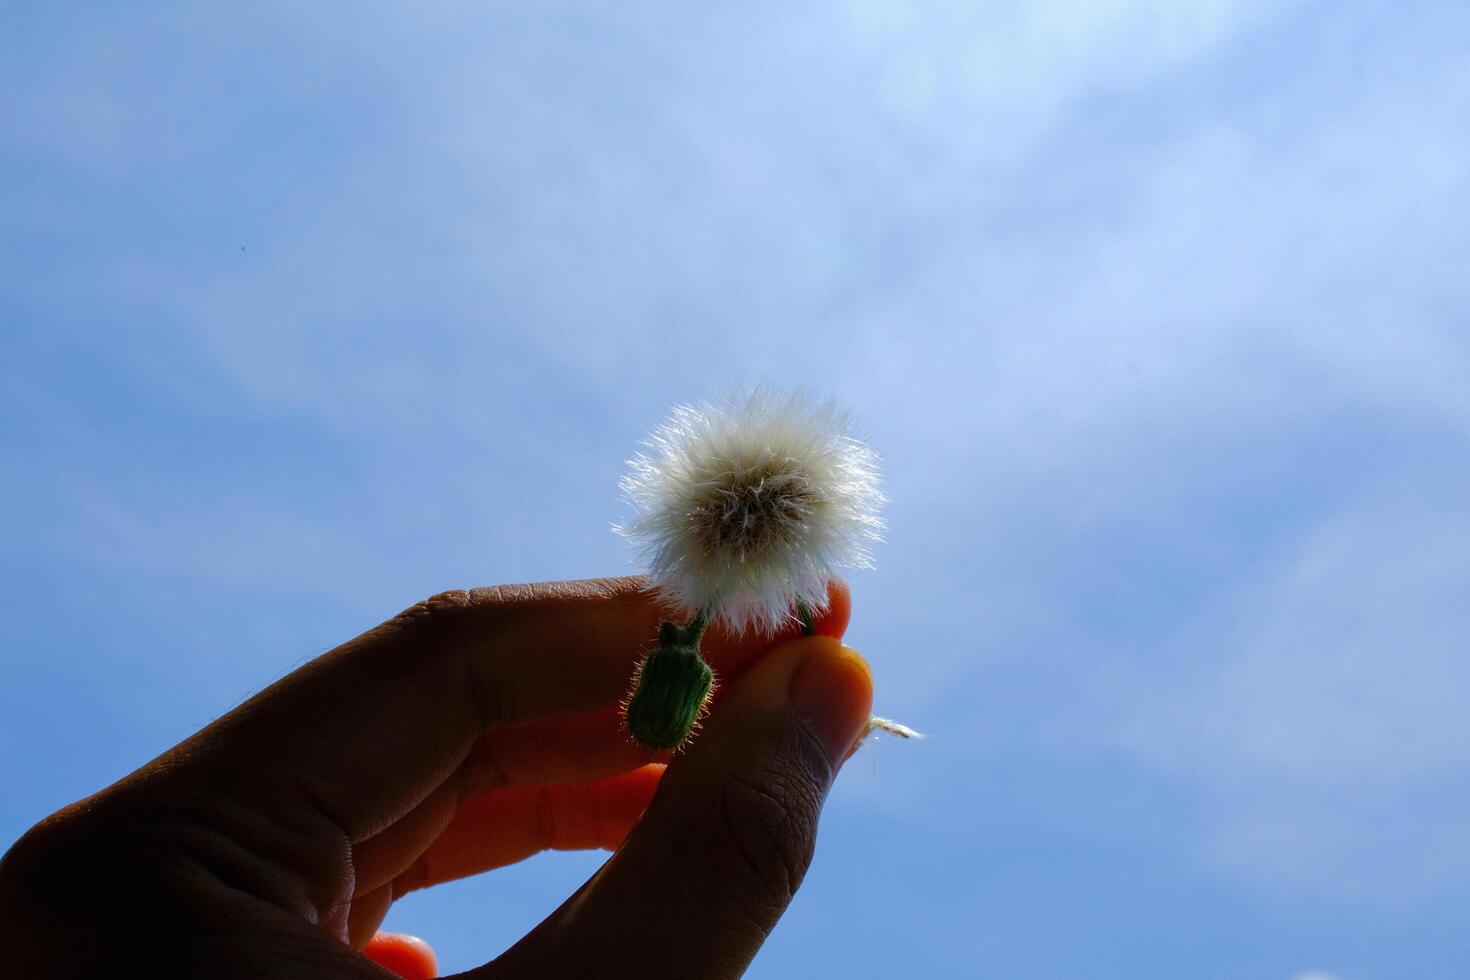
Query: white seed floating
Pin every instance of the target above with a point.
(876, 724)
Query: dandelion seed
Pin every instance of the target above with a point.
(876, 724)
(747, 508)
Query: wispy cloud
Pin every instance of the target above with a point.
(1317, 708)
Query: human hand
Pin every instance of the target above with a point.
(471, 731)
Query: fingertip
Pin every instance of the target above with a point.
(635, 792)
(622, 799)
(408, 956)
(763, 687)
(834, 619)
(832, 693)
(731, 654)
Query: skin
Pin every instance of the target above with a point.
(471, 731)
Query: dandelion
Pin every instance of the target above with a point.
(743, 511)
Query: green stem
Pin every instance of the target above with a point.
(673, 686)
(671, 634)
(808, 621)
(694, 629)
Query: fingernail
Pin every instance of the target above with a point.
(832, 693)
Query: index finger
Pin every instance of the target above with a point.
(366, 731)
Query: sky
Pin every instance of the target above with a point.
(1157, 313)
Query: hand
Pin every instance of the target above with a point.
(472, 731)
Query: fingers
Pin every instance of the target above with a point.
(442, 840)
(552, 753)
(702, 879)
(407, 956)
(562, 648)
(490, 831)
(500, 828)
(380, 859)
(565, 750)
(367, 913)
(367, 731)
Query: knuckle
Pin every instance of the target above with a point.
(440, 617)
(766, 827)
(770, 834)
(437, 607)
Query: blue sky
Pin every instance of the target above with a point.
(1157, 313)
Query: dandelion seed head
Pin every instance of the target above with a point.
(748, 505)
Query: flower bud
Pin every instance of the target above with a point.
(670, 693)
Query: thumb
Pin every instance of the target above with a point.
(700, 882)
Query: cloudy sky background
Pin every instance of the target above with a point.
(1156, 311)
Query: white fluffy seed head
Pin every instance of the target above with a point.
(745, 506)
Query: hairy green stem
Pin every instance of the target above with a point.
(672, 687)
